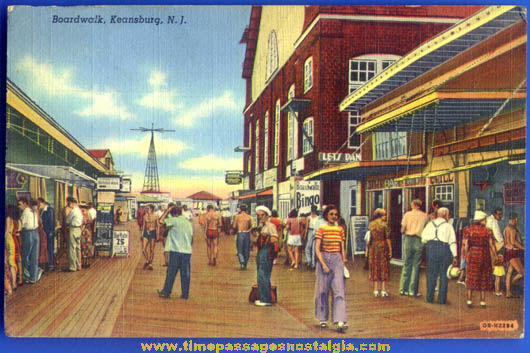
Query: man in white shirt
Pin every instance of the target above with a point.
(74, 220)
(440, 238)
(92, 213)
(30, 243)
(187, 213)
(492, 223)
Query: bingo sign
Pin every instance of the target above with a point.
(120, 243)
(307, 195)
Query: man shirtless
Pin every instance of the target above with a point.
(243, 223)
(149, 231)
(513, 253)
(212, 224)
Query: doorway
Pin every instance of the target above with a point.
(396, 214)
(419, 193)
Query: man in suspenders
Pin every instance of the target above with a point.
(440, 238)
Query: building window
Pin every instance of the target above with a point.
(308, 74)
(354, 140)
(266, 141)
(277, 134)
(353, 202)
(308, 136)
(389, 145)
(443, 193)
(272, 55)
(292, 130)
(364, 68)
(256, 150)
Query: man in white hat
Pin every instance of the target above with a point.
(439, 237)
(267, 243)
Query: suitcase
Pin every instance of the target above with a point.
(254, 294)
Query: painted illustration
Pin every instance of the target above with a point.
(265, 171)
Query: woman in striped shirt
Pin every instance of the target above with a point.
(329, 250)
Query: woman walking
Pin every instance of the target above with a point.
(380, 251)
(478, 247)
(329, 249)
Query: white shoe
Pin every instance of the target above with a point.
(342, 327)
(259, 303)
(40, 274)
(384, 293)
(376, 293)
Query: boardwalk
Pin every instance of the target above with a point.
(117, 298)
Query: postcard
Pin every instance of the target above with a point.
(324, 177)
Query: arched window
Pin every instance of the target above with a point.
(272, 55)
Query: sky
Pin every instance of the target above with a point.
(99, 80)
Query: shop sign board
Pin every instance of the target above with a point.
(258, 181)
(125, 185)
(109, 183)
(120, 243)
(359, 227)
(233, 178)
(443, 179)
(307, 195)
(394, 183)
(338, 157)
(269, 177)
(514, 193)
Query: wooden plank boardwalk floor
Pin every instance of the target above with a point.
(116, 297)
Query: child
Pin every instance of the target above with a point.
(498, 272)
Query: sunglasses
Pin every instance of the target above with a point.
(333, 214)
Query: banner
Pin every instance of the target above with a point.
(307, 195)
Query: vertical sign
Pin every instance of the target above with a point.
(358, 228)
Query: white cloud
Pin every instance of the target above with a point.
(158, 98)
(157, 79)
(210, 162)
(105, 104)
(140, 146)
(205, 109)
(59, 82)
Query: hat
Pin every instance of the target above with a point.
(263, 209)
(452, 272)
(479, 216)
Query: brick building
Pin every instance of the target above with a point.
(300, 63)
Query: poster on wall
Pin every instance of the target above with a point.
(307, 195)
(359, 226)
(120, 243)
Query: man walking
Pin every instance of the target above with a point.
(30, 243)
(440, 238)
(212, 220)
(178, 246)
(242, 223)
(411, 227)
(47, 216)
(74, 220)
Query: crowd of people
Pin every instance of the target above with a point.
(486, 253)
(31, 234)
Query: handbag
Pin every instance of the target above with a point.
(254, 294)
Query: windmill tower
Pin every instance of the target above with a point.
(151, 183)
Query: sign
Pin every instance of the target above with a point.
(120, 243)
(359, 227)
(258, 181)
(125, 185)
(109, 183)
(443, 179)
(307, 195)
(15, 180)
(269, 177)
(376, 184)
(233, 178)
(514, 193)
(104, 228)
(338, 157)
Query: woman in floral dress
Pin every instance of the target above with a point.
(87, 246)
(479, 248)
(379, 249)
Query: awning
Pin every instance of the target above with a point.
(294, 105)
(439, 111)
(61, 173)
(508, 139)
(361, 169)
(265, 192)
(434, 52)
(453, 170)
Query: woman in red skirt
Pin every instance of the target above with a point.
(479, 248)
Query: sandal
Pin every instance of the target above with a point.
(384, 293)
(376, 293)
(483, 305)
(469, 303)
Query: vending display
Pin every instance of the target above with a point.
(104, 228)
